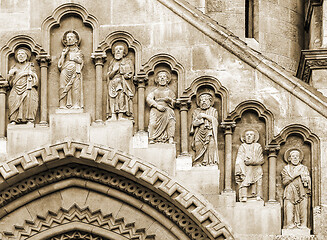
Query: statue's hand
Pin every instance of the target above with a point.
(12, 72)
(116, 67)
(161, 108)
(247, 161)
(65, 51)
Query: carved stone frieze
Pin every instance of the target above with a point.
(73, 216)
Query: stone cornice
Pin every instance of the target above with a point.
(233, 44)
(311, 59)
(309, 10)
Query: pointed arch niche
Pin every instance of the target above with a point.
(71, 16)
(300, 136)
(252, 114)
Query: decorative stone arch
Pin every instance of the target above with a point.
(262, 112)
(59, 12)
(212, 82)
(111, 172)
(12, 45)
(314, 141)
(149, 66)
(106, 44)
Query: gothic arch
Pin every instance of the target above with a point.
(59, 12)
(313, 139)
(111, 168)
(212, 82)
(131, 42)
(171, 62)
(262, 112)
(11, 46)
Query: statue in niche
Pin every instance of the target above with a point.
(162, 117)
(205, 130)
(297, 182)
(248, 168)
(23, 97)
(70, 65)
(120, 72)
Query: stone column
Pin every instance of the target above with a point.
(140, 80)
(184, 105)
(44, 61)
(99, 59)
(3, 90)
(272, 159)
(228, 127)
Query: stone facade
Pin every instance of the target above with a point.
(162, 119)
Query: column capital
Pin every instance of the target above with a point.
(183, 104)
(272, 149)
(99, 57)
(228, 126)
(141, 80)
(3, 84)
(43, 59)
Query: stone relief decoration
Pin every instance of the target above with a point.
(162, 120)
(119, 79)
(204, 129)
(248, 167)
(70, 65)
(23, 96)
(297, 182)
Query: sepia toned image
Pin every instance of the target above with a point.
(163, 120)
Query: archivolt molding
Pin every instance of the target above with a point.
(262, 111)
(70, 222)
(129, 39)
(308, 136)
(194, 207)
(211, 82)
(13, 44)
(59, 12)
(171, 62)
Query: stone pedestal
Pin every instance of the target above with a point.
(26, 137)
(204, 179)
(161, 155)
(3, 146)
(140, 140)
(296, 232)
(70, 124)
(184, 163)
(114, 134)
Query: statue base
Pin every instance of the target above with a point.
(184, 162)
(203, 179)
(140, 140)
(296, 232)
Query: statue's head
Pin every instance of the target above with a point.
(205, 97)
(163, 77)
(250, 136)
(22, 54)
(294, 156)
(119, 50)
(71, 38)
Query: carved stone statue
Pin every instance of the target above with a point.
(70, 65)
(204, 130)
(248, 168)
(120, 73)
(162, 117)
(297, 182)
(23, 97)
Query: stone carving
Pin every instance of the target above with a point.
(70, 65)
(205, 130)
(23, 97)
(162, 117)
(297, 182)
(120, 94)
(248, 168)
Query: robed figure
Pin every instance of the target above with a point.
(70, 65)
(248, 167)
(120, 74)
(23, 97)
(205, 131)
(162, 119)
(297, 182)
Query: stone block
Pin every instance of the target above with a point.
(204, 180)
(70, 125)
(161, 155)
(296, 232)
(184, 162)
(26, 137)
(3, 146)
(115, 134)
(140, 140)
